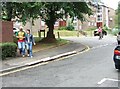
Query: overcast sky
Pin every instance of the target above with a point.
(111, 3)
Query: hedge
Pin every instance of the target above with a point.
(70, 28)
(8, 50)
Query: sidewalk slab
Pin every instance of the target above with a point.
(43, 56)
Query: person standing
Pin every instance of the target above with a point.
(118, 38)
(100, 33)
(21, 41)
(29, 42)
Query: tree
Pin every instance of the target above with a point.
(22, 10)
(51, 11)
(117, 17)
(48, 12)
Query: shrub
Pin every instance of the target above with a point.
(70, 28)
(62, 28)
(106, 28)
(8, 50)
(115, 31)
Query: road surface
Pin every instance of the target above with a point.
(94, 68)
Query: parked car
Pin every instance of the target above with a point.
(15, 30)
(97, 34)
(116, 57)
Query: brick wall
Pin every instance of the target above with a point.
(6, 31)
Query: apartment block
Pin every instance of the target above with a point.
(102, 15)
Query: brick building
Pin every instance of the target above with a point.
(102, 15)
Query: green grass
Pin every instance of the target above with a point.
(89, 33)
(65, 33)
(43, 46)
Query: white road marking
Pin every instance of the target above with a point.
(103, 80)
(109, 79)
(101, 46)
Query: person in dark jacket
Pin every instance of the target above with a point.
(29, 42)
(118, 38)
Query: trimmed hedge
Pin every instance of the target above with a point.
(70, 28)
(62, 28)
(8, 50)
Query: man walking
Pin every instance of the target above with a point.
(21, 41)
(100, 33)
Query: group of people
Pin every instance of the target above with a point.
(25, 40)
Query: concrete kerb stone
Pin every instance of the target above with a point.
(12, 68)
(42, 60)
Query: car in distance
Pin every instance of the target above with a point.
(96, 33)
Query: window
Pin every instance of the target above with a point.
(99, 17)
(99, 9)
(88, 23)
(95, 24)
(92, 23)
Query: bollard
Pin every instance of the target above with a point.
(58, 34)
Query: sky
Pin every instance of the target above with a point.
(111, 3)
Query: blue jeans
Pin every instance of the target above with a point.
(29, 47)
(21, 46)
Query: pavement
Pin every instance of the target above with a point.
(42, 56)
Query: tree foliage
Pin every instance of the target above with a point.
(22, 10)
(117, 17)
(47, 11)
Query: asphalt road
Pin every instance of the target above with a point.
(81, 70)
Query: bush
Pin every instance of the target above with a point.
(62, 28)
(8, 50)
(70, 28)
(115, 31)
(106, 28)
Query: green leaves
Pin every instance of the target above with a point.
(48, 11)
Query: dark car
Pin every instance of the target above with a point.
(97, 34)
(116, 57)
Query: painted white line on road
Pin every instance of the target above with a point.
(109, 79)
(22, 69)
(101, 46)
(103, 80)
(115, 80)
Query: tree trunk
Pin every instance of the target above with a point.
(50, 23)
(50, 33)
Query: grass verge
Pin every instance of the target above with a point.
(65, 33)
(42, 46)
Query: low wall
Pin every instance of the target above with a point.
(6, 31)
